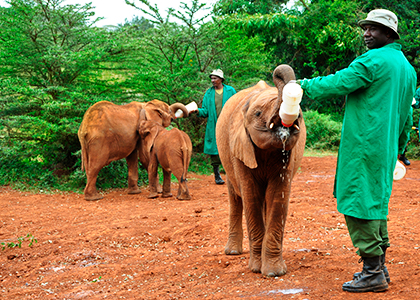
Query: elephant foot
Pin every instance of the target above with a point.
(94, 197)
(184, 196)
(255, 264)
(273, 270)
(166, 195)
(153, 195)
(135, 190)
(233, 248)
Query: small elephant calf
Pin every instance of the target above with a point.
(172, 150)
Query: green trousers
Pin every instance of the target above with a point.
(368, 235)
(215, 160)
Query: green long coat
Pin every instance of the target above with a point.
(380, 86)
(208, 110)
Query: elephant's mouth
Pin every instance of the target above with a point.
(285, 134)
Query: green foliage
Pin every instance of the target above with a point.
(20, 240)
(323, 133)
(47, 45)
(227, 7)
(317, 41)
(174, 60)
(55, 64)
(200, 164)
(50, 59)
(413, 146)
(322, 37)
(408, 13)
(137, 24)
(115, 176)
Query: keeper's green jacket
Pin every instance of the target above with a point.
(380, 86)
(208, 110)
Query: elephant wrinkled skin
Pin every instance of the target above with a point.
(172, 150)
(260, 158)
(109, 132)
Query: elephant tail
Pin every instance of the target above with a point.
(186, 156)
(84, 155)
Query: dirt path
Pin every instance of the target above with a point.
(130, 247)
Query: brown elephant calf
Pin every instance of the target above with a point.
(172, 150)
(260, 156)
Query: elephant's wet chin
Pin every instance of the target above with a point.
(275, 140)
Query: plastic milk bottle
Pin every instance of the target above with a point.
(289, 108)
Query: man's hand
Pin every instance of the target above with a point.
(295, 81)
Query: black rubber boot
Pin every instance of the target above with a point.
(404, 159)
(217, 176)
(371, 279)
(383, 267)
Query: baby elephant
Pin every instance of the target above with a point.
(172, 150)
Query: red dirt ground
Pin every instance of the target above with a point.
(130, 247)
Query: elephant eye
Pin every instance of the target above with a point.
(258, 113)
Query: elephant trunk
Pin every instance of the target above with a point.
(281, 76)
(174, 107)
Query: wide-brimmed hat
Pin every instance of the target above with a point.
(218, 73)
(382, 17)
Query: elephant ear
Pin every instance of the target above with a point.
(143, 115)
(241, 144)
(149, 135)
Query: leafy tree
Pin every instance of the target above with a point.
(50, 60)
(175, 58)
(321, 37)
(317, 41)
(47, 45)
(54, 64)
(408, 13)
(139, 24)
(227, 7)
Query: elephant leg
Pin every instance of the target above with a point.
(158, 185)
(90, 192)
(166, 193)
(133, 173)
(256, 234)
(183, 192)
(153, 178)
(253, 199)
(277, 201)
(234, 244)
(97, 159)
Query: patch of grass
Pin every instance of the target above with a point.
(200, 164)
(31, 239)
(319, 153)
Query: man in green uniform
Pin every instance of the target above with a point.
(213, 102)
(380, 86)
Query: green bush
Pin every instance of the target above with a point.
(200, 164)
(323, 133)
(25, 171)
(413, 146)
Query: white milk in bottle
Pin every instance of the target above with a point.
(289, 108)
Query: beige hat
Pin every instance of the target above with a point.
(218, 73)
(382, 17)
